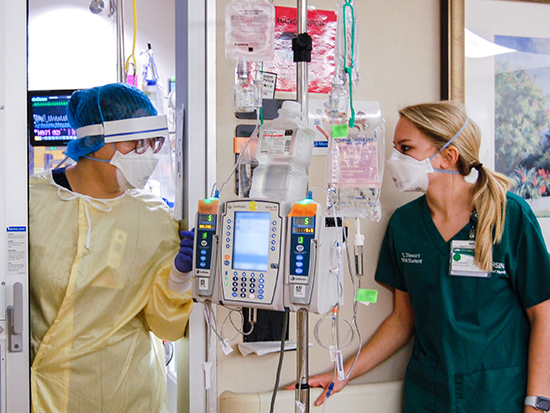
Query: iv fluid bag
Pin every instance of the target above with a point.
(250, 30)
(356, 163)
(284, 152)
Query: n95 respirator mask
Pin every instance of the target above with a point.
(134, 170)
(409, 174)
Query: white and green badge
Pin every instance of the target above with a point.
(462, 260)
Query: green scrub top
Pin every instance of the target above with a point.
(472, 333)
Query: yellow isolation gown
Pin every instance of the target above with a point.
(98, 273)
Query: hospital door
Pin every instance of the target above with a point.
(14, 321)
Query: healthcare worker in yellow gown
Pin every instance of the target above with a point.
(108, 275)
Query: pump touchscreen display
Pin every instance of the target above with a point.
(251, 240)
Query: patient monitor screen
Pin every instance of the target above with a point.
(47, 117)
(251, 240)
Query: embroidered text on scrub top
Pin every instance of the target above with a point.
(409, 258)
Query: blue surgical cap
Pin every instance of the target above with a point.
(94, 106)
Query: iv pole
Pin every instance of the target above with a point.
(119, 10)
(302, 322)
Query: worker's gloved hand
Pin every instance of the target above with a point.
(184, 259)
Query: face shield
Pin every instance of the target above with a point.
(135, 167)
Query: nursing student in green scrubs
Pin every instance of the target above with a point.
(471, 275)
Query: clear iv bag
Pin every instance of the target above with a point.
(250, 30)
(356, 163)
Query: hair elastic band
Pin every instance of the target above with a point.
(478, 166)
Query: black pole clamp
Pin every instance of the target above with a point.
(302, 46)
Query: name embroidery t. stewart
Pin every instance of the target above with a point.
(409, 258)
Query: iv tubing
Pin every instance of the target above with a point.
(211, 319)
(237, 329)
(242, 151)
(354, 317)
(348, 69)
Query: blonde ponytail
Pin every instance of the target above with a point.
(489, 197)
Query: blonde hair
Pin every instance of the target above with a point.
(439, 122)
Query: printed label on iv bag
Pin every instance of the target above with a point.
(355, 163)
(276, 142)
(249, 30)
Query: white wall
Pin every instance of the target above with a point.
(399, 65)
(70, 47)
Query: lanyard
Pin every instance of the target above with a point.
(473, 228)
(462, 262)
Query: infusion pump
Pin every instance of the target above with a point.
(267, 254)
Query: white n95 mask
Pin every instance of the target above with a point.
(134, 170)
(409, 174)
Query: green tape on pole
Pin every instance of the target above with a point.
(339, 131)
(366, 295)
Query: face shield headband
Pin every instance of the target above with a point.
(128, 129)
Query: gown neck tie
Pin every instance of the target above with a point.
(101, 205)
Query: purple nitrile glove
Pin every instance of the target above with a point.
(184, 259)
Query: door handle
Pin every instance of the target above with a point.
(15, 319)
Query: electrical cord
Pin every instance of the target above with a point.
(280, 365)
